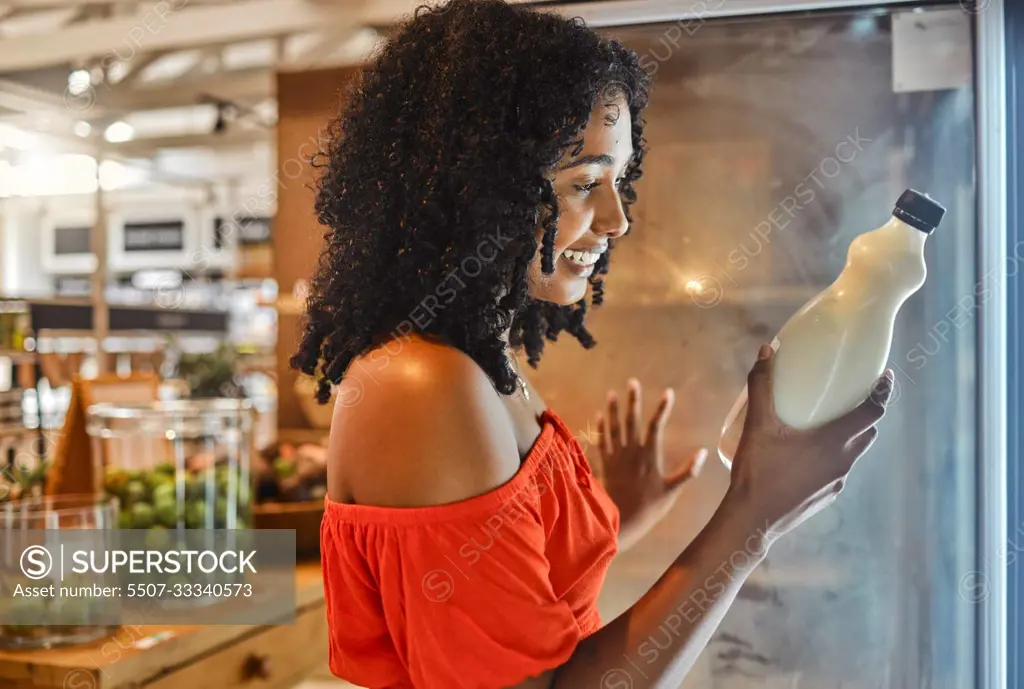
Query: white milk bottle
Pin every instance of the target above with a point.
(832, 351)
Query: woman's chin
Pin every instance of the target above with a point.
(564, 292)
(565, 286)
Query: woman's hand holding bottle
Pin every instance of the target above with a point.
(782, 476)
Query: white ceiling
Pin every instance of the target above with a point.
(169, 69)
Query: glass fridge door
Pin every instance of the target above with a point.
(775, 140)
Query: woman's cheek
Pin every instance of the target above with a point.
(571, 226)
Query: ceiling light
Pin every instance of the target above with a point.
(117, 71)
(119, 132)
(79, 82)
(82, 129)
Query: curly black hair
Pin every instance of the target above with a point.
(432, 186)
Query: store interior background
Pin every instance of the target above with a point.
(199, 116)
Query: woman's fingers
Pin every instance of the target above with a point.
(690, 471)
(633, 411)
(859, 445)
(614, 429)
(760, 405)
(840, 464)
(656, 426)
(603, 441)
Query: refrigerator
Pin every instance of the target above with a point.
(777, 132)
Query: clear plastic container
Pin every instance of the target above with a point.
(20, 617)
(176, 464)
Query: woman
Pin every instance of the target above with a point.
(473, 190)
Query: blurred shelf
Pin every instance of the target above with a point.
(8, 430)
(79, 316)
(18, 356)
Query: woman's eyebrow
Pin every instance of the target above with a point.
(602, 159)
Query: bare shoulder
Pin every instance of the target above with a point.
(418, 423)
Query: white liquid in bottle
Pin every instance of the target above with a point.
(832, 351)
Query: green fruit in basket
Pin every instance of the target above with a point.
(244, 494)
(27, 611)
(7, 583)
(195, 488)
(220, 513)
(178, 579)
(114, 480)
(155, 479)
(195, 514)
(142, 515)
(164, 491)
(135, 491)
(124, 520)
(158, 538)
(167, 513)
(71, 611)
(222, 476)
(283, 468)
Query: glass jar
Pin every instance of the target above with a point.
(15, 323)
(176, 464)
(22, 470)
(23, 619)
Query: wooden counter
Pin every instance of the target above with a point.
(193, 657)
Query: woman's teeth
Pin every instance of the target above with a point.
(581, 258)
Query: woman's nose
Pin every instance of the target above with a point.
(610, 219)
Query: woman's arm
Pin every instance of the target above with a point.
(657, 641)
(780, 478)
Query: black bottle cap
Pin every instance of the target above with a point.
(917, 210)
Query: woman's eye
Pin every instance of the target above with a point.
(585, 189)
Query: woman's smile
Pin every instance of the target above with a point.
(581, 261)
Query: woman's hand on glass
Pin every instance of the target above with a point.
(782, 476)
(633, 462)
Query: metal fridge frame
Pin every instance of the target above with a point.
(1012, 16)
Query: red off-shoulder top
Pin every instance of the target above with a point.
(482, 593)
